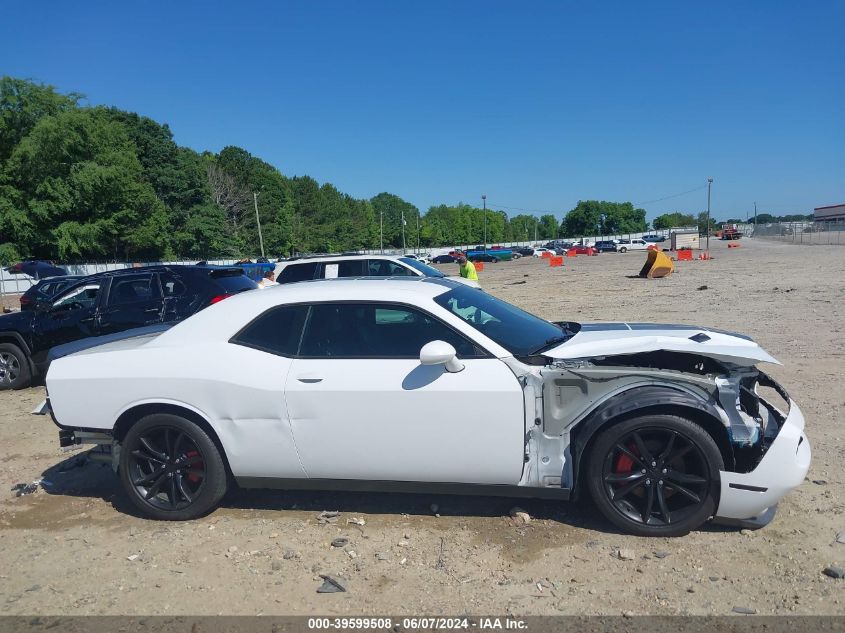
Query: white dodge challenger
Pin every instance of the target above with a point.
(429, 385)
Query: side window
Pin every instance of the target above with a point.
(297, 272)
(133, 289)
(351, 268)
(171, 285)
(387, 268)
(277, 331)
(84, 295)
(366, 330)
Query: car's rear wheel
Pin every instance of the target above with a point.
(655, 475)
(14, 368)
(171, 469)
(623, 250)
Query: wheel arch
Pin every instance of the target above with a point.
(138, 411)
(639, 401)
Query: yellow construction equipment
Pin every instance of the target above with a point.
(657, 265)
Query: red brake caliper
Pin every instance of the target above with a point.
(625, 464)
(191, 477)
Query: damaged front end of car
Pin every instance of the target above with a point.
(764, 450)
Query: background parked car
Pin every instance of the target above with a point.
(581, 249)
(654, 238)
(45, 290)
(631, 245)
(538, 252)
(606, 246)
(106, 303)
(443, 259)
(525, 251)
(483, 257)
(332, 266)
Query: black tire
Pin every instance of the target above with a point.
(171, 469)
(623, 250)
(14, 367)
(674, 492)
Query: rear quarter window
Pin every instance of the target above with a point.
(277, 331)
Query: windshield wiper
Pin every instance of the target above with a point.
(551, 342)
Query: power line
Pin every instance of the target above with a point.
(502, 206)
(674, 195)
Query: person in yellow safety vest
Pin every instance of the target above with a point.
(467, 268)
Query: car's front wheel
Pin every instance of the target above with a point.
(623, 250)
(171, 469)
(656, 475)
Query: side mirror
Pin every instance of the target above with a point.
(441, 353)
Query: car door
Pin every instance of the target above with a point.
(71, 316)
(363, 407)
(132, 301)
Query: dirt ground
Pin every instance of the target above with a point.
(76, 547)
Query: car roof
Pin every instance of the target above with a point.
(158, 268)
(223, 319)
(329, 258)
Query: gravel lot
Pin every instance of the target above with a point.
(75, 547)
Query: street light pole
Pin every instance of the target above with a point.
(709, 183)
(484, 201)
(258, 221)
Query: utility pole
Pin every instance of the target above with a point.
(403, 231)
(258, 221)
(418, 232)
(484, 201)
(381, 229)
(709, 183)
(536, 222)
(755, 216)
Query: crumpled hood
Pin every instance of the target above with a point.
(615, 339)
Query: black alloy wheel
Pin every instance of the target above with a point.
(657, 475)
(171, 468)
(14, 368)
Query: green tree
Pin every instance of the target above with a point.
(77, 178)
(702, 224)
(675, 219)
(389, 209)
(594, 217)
(22, 105)
(549, 229)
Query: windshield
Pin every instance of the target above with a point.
(426, 270)
(519, 332)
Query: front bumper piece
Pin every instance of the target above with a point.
(749, 499)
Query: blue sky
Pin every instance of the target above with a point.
(536, 104)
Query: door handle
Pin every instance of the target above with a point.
(88, 320)
(309, 378)
(151, 310)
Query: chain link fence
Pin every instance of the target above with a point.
(816, 233)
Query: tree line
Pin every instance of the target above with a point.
(80, 182)
(679, 218)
